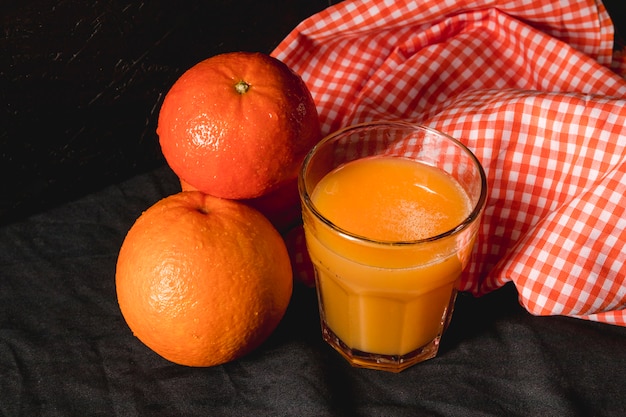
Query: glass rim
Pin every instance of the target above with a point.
(469, 219)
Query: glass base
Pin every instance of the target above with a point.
(390, 363)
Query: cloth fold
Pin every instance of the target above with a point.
(533, 89)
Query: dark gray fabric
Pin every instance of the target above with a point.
(65, 349)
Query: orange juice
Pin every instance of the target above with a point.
(386, 294)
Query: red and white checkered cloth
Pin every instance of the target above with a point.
(534, 89)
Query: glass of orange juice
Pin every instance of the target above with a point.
(391, 211)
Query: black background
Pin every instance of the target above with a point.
(81, 84)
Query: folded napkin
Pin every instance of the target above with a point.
(533, 89)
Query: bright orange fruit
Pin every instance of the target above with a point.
(238, 125)
(202, 280)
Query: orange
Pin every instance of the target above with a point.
(238, 125)
(202, 280)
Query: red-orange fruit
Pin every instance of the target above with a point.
(238, 125)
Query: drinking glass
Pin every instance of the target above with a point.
(384, 303)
